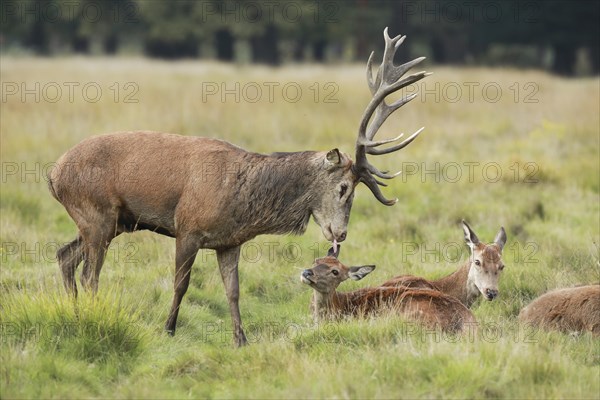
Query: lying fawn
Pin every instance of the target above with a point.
(432, 308)
(574, 309)
(480, 275)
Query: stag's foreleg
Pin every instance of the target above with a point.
(228, 265)
(69, 256)
(185, 254)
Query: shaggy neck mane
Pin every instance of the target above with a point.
(279, 192)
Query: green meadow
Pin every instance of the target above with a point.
(501, 147)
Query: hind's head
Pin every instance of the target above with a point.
(486, 263)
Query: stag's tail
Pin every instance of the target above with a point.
(51, 187)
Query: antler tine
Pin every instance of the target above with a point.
(376, 152)
(386, 81)
(372, 185)
(384, 141)
(381, 174)
(372, 83)
(388, 69)
(382, 112)
(390, 72)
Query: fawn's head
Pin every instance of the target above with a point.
(328, 272)
(486, 262)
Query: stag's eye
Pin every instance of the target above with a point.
(478, 263)
(343, 190)
(335, 272)
(500, 268)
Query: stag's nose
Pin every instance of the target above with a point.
(491, 294)
(342, 236)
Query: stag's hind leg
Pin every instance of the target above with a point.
(69, 256)
(95, 252)
(97, 231)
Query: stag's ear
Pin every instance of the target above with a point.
(334, 157)
(357, 273)
(470, 236)
(332, 253)
(500, 239)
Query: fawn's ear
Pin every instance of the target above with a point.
(500, 239)
(357, 273)
(332, 253)
(470, 236)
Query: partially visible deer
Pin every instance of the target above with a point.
(431, 308)
(479, 275)
(210, 194)
(568, 310)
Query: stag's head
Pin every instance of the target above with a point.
(333, 212)
(486, 262)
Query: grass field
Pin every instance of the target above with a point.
(501, 147)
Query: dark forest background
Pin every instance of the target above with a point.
(560, 36)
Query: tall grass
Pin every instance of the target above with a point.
(113, 345)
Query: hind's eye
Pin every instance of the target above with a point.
(335, 272)
(501, 267)
(343, 190)
(478, 263)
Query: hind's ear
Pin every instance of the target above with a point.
(332, 253)
(357, 273)
(470, 236)
(500, 239)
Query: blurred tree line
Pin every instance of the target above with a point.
(560, 35)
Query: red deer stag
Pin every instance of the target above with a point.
(568, 310)
(480, 275)
(432, 308)
(207, 193)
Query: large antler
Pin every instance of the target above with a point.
(386, 82)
